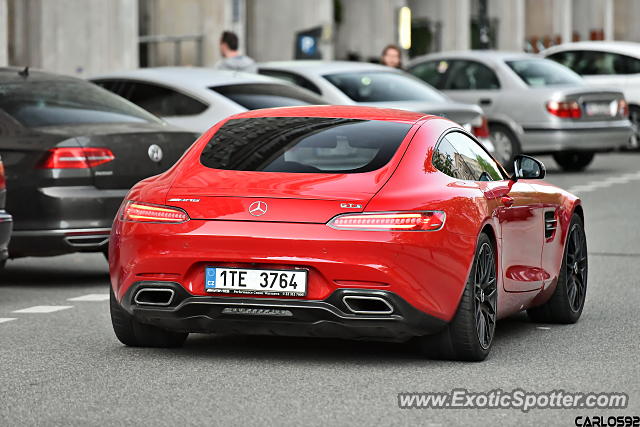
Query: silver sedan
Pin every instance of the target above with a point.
(534, 105)
(363, 83)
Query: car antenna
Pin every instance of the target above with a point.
(25, 72)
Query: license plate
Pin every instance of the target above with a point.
(255, 282)
(600, 109)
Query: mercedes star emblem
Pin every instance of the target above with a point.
(258, 208)
(155, 153)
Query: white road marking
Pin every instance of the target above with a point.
(604, 183)
(91, 297)
(543, 328)
(6, 319)
(43, 309)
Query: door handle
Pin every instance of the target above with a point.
(485, 101)
(507, 201)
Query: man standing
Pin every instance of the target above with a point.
(232, 59)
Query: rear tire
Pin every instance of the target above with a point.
(566, 303)
(135, 334)
(573, 161)
(506, 145)
(470, 334)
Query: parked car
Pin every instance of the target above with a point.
(534, 105)
(6, 221)
(350, 222)
(606, 63)
(195, 98)
(362, 83)
(71, 152)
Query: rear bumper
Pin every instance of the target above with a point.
(586, 138)
(428, 270)
(53, 220)
(6, 225)
(59, 241)
(330, 317)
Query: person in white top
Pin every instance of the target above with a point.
(232, 59)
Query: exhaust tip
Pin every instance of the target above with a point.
(151, 296)
(367, 305)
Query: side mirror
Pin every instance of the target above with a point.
(526, 167)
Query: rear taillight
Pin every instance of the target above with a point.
(76, 158)
(564, 110)
(390, 221)
(3, 179)
(146, 212)
(481, 131)
(623, 108)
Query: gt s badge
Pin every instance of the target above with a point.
(350, 206)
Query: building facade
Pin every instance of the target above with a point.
(87, 37)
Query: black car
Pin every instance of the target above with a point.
(71, 151)
(6, 222)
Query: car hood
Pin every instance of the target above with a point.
(455, 111)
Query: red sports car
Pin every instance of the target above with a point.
(349, 222)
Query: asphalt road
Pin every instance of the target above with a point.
(65, 367)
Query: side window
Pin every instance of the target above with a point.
(569, 59)
(448, 161)
(598, 63)
(471, 75)
(480, 164)
(432, 72)
(296, 79)
(164, 102)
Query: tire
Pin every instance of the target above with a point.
(634, 118)
(566, 304)
(132, 333)
(461, 338)
(573, 161)
(506, 144)
(105, 252)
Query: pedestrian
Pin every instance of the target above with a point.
(391, 56)
(232, 59)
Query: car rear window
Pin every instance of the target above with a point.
(303, 145)
(51, 103)
(267, 95)
(384, 86)
(544, 72)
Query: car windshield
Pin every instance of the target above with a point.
(303, 145)
(543, 72)
(51, 103)
(383, 86)
(268, 95)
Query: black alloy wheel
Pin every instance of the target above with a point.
(486, 295)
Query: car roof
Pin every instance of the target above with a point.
(192, 77)
(324, 67)
(486, 55)
(337, 111)
(621, 47)
(12, 74)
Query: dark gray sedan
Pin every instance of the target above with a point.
(533, 105)
(71, 151)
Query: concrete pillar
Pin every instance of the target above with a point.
(608, 16)
(456, 25)
(562, 12)
(626, 14)
(4, 33)
(78, 37)
(511, 23)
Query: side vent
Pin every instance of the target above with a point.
(550, 224)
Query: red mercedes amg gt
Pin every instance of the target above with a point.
(349, 222)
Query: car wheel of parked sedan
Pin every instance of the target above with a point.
(573, 161)
(634, 118)
(567, 301)
(506, 145)
(470, 334)
(135, 334)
